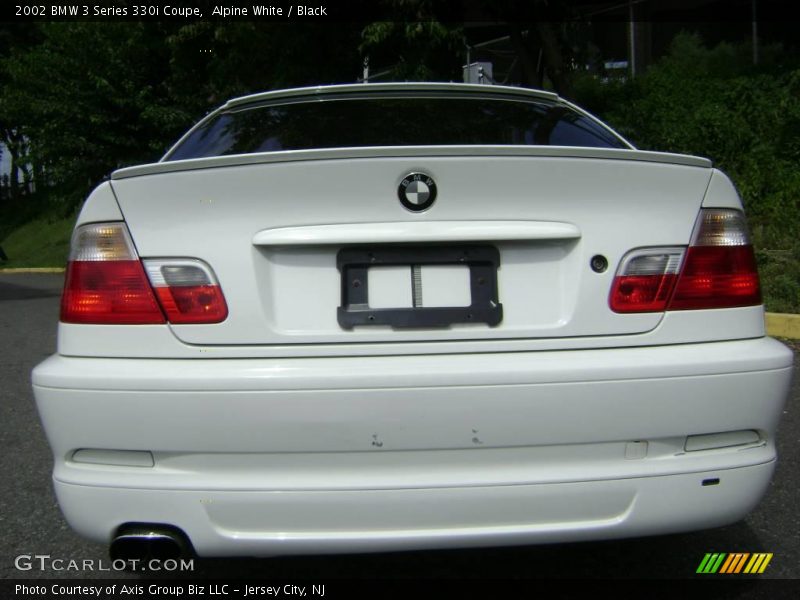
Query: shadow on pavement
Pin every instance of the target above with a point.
(25, 291)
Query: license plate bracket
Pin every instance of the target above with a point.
(482, 261)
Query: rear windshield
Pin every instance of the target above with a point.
(408, 121)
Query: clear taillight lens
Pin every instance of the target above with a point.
(105, 282)
(187, 290)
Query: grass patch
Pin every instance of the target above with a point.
(43, 242)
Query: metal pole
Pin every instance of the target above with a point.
(632, 35)
(755, 33)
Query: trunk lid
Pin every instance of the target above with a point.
(272, 226)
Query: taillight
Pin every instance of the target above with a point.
(105, 282)
(187, 290)
(720, 266)
(645, 280)
(719, 270)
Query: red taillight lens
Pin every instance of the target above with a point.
(108, 292)
(719, 270)
(717, 277)
(187, 290)
(201, 304)
(642, 294)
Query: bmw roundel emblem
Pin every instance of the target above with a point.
(417, 191)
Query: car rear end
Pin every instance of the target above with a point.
(403, 316)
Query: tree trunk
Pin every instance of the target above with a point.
(531, 76)
(554, 59)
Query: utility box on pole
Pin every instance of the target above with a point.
(478, 72)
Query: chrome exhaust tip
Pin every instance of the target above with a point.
(144, 543)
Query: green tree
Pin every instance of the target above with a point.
(89, 97)
(86, 98)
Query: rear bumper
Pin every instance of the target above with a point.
(287, 456)
(251, 523)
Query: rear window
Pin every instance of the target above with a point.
(407, 121)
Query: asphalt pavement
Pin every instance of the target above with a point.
(32, 524)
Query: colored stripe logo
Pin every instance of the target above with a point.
(734, 563)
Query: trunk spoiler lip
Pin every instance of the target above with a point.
(321, 91)
(287, 156)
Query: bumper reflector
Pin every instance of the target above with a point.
(727, 439)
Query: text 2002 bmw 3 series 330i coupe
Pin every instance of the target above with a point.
(394, 316)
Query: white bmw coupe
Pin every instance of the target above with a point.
(397, 316)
